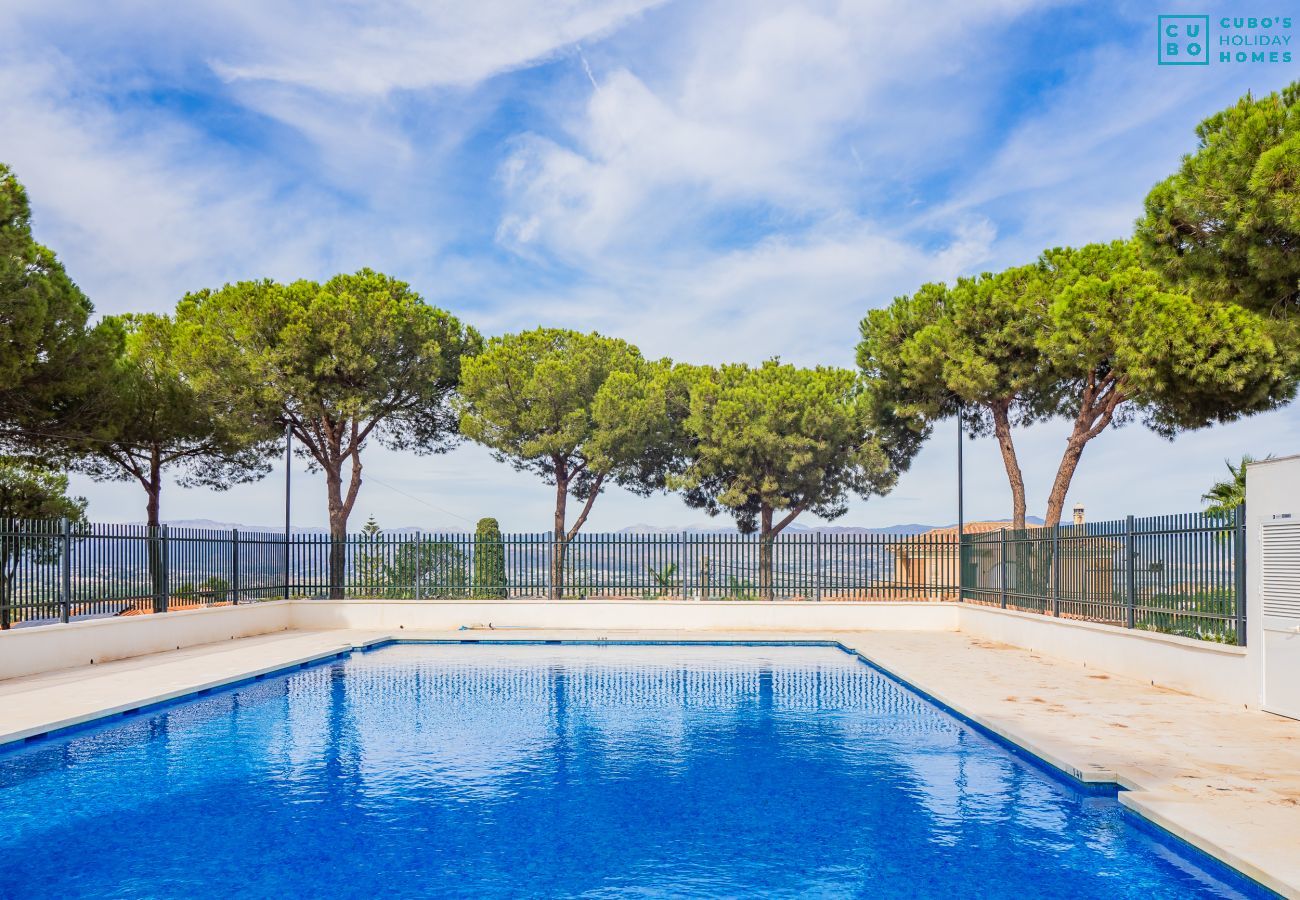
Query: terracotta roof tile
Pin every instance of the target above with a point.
(970, 528)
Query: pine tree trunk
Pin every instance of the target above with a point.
(1101, 397)
(560, 550)
(1064, 475)
(153, 491)
(340, 508)
(765, 539)
(338, 519)
(154, 504)
(1002, 431)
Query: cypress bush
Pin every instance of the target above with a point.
(489, 560)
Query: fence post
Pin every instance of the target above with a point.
(550, 569)
(65, 606)
(419, 540)
(817, 567)
(1056, 570)
(961, 562)
(234, 567)
(1130, 575)
(1239, 572)
(156, 565)
(164, 598)
(681, 561)
(1002, 568)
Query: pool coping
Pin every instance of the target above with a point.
(1097, 779)
(58, 728)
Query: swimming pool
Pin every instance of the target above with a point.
(543, 771)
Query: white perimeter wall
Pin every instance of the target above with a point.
(1209, 670)
(623, 615)
(43, 648)
(1203, 668)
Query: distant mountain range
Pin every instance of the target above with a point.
(799, 528)
(209, 524)
(793, 528)
(698, 528)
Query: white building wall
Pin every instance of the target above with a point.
(1272, 498)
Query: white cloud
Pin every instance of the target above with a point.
(754, 116)
(372, 48)
(1077, 167)
(139, 210)
(800, 298)
(761, 110)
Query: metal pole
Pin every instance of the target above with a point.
(65, 608)
(1056, 569)
(1130, 587)
(1239, 572)
(1002, 569)
(234, 567)
(418, 541)
(288, 477)
(817, 567)
(681, 561)
(961, 512)
(156, 561)
(165, 599)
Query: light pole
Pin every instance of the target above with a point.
(288, 477)
(961, 514)
(961, 521)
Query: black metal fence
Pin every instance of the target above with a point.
(56, 571)
(1178, 574)
(1181, 574)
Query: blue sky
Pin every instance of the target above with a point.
(710, 180)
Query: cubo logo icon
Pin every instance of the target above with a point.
(1183, 40)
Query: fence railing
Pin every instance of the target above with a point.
(1182, 574)
(55, 570)
(1179, 574)
(58, 571)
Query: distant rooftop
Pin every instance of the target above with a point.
(975, 528)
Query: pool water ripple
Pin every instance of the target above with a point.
(567, 771)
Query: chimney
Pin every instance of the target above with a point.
(1078, 514)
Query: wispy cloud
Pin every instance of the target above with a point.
(140, 209)
(781, 297)
(371, 49)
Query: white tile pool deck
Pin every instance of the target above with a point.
(1225, 779)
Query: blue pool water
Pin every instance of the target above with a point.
(564, 771)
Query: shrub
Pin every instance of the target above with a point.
(489, 560)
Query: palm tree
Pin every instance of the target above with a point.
(1225, 496)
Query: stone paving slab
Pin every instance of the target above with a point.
(1224, 779)
(35, 704)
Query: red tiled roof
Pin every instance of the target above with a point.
(173, 605)
(970, 528)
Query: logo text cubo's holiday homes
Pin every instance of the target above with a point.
(1192, 40)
